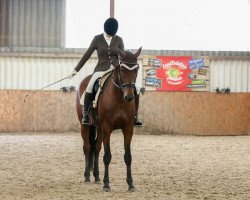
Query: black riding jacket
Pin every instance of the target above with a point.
(107, 55)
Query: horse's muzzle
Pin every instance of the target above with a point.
(128, 91)
(129, 98)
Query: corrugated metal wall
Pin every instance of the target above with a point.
(32, 23)
(36, 72)
(3, 22)
(234, 74)
(21, 69)
(31, 73)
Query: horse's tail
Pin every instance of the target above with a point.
(92, 141)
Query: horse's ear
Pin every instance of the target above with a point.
(138, 52)
(121, 53)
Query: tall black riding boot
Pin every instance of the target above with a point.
(87, 100)
(137, 121)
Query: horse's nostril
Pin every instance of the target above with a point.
(129, 98)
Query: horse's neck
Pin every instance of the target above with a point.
(115, 76)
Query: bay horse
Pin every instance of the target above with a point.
(115, 110)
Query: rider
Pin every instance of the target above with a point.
(107, 45)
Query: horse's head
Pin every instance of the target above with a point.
(127, 69)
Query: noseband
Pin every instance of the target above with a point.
(121, 85)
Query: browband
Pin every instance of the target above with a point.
(129, 68)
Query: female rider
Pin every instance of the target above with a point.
(106, 45)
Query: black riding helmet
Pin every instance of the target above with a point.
(111, 26)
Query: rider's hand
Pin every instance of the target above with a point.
(73, 73)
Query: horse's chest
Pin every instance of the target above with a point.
(121, 115)
(117, 114)
(121, 119)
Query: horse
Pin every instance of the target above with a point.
(115, 110)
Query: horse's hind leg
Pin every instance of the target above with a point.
(86, 151)
(97, 150)
(128, 133)
(106, 159)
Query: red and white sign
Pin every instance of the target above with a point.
(174, 73)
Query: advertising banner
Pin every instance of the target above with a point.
(175, 73)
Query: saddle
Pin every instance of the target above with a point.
(97, 89)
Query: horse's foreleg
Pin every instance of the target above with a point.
(127, 157)
(87, 170)
(86, 151)
(128, 161)
(106, 159)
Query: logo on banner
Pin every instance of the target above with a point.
(174, 72)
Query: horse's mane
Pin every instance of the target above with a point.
(127, 51)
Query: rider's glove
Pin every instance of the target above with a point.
(73, 73)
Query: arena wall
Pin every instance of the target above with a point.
(23, 70)
(186, 113)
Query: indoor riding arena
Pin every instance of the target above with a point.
(195, 107)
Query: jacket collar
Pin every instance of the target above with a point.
(103, 36)
(106, 36)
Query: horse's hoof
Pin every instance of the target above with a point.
(131, 189)
(106, 189)
(87, 180)
(97, 181)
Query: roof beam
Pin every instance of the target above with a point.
(112, 8)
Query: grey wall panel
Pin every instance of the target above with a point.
(3, 22)
(32, 23)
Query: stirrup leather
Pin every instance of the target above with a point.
(85, 119)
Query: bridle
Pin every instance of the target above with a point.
(121, 64)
